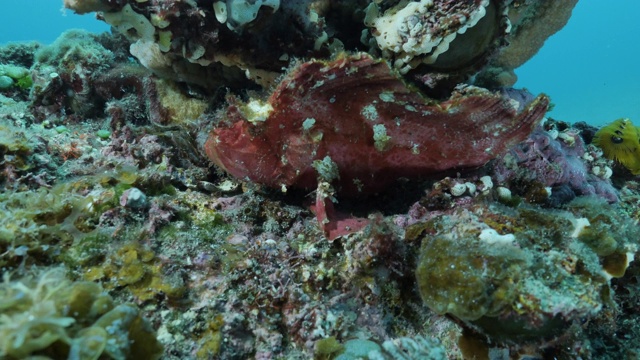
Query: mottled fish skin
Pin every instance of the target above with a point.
(370, 123)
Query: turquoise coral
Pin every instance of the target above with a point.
(13, 75)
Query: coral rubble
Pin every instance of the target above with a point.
(376, 192)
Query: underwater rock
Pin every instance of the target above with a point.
(525, 274)
(65, 73)
(531, 23)
(356, 108)
(134, 198)
(239, 43)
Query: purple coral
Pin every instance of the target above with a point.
(555, 162)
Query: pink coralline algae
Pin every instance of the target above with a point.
(356, 116)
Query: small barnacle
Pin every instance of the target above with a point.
(620, 141)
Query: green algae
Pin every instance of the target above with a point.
(44, 217)
(211, 340)
(539, 274)
(136, 268)
(327, 349)
(461, 278)
(62, 222)
(19, 76)
(103, 134)
(49, 315)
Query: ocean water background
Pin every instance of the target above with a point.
(591, 68)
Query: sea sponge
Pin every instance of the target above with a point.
(620, 141)
(127, 19)
(85, 6)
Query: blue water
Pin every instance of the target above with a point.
(42, 20)
(591, 68)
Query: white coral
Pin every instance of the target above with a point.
(406, 34)
(238, 13)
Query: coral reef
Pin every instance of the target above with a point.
(444, 42)
(374, 193)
